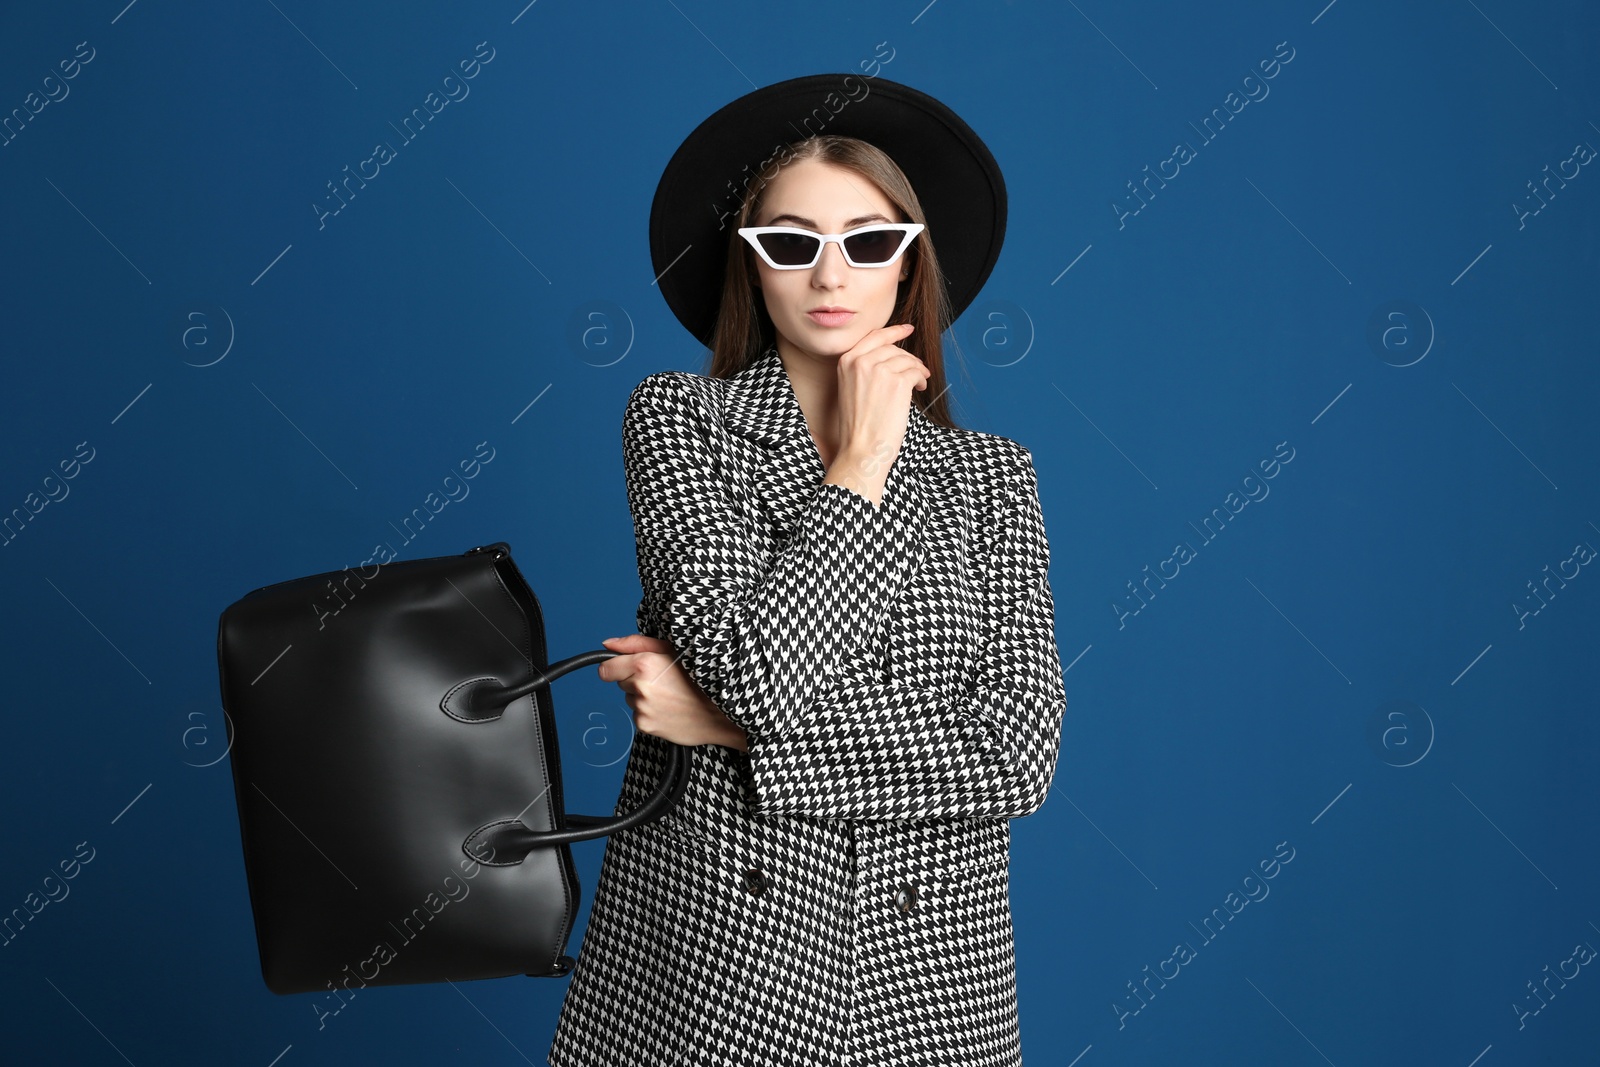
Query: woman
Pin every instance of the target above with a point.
(846, 616)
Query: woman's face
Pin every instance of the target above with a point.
(827, 199)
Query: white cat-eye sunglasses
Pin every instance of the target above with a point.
(793, 248)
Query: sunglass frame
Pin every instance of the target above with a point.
(909, 230)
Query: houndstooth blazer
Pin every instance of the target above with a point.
(838, 894)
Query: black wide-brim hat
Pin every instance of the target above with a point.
(697, 201)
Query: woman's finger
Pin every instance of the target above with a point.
(636, 643)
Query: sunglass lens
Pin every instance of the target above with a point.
(874, 247)
(789, 249)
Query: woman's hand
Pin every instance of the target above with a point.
(666, 702)
(876, 380)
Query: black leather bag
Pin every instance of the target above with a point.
(398, 779)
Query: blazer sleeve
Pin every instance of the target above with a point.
(871, 750)
(761, 642)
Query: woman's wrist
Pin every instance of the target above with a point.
(863, 473)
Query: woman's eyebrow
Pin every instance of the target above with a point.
(860, 220)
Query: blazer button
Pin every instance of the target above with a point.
(905, 897)
(756, 881)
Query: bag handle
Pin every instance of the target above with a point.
(483, 699)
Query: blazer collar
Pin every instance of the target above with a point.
(761, 406)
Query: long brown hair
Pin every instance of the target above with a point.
(744, 328)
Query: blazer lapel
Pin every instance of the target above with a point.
(762, 408)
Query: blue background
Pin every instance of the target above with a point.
(1351, 671)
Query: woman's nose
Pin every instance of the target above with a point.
(832, 267)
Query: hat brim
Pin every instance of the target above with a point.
(697, 201)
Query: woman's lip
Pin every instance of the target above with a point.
(830, 318)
